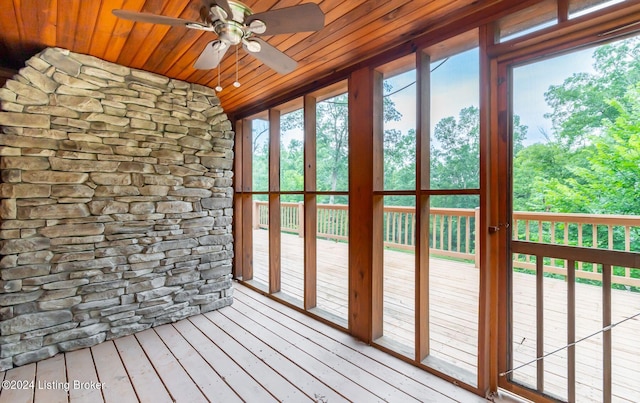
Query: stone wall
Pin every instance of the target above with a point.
(115, 203)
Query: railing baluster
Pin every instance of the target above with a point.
(540, 225)
(527, 227)
(467, 231)
(627, 247)
(540, 321)
(434, 221)
(406, 229)
(580, 242)
(606, 336)
(442, 232)
(449, 232)
(571, 330)
(458, 249)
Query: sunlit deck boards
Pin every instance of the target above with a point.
(454, 315)
(255, 350)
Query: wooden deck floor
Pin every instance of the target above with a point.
(255, 350)
(454, 316)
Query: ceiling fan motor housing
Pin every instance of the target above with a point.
(232, 30)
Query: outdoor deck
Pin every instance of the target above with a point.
(454, 315)
(255, 350)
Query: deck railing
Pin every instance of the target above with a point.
(452, 233)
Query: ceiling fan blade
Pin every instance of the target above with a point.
(211, 56)
(300, 18)
(272, 57)
(151, 18)
(223, 4)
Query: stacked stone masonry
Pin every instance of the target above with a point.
(116, 204)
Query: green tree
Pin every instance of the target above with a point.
(581, 102)
(610, 183)
(455, 155)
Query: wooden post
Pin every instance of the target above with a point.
(361, 130)
(301, 219)
(423, 182)
(476, 237)
(309, 224)
(274, 202)
(247, 200)
(377, 259)
(238, 226)
(256, 214)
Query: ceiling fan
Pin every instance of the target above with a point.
(234, 23)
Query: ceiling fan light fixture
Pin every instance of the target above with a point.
(217, 11)
(253, 46)
(220, 46)
(257, 27)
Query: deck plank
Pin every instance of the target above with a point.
(207, 380)
(376, 368)
(145, 380)
(314, 365)
(175, 378)
(280, 387)
(80, 367)
(20, 392)
(51, 379)
(112, 374)
(378, 388)
(305, 381)
(419, 376)
(241, 382)
(453, 296)
(226, 357)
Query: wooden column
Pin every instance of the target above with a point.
(377, 269)
(274, 201)
(237, 202)
(361, 130)
(423, 179)
(310, 205)
(247, 201)
(488, 290)
(498, 209)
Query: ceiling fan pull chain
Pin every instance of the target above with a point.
(218, 87)
(236, 83)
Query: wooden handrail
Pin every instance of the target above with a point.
(452, 233)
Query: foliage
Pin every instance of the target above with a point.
(581, 103)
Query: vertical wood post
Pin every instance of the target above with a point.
(309, 224)
(361, 130)
(377, 262)
(274, 202)
(247, 200)
(237, 203)
(301, 219)
(423, 182)
(255, 214)
(476, 237)
(606, 336)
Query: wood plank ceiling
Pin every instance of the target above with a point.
(354, 30)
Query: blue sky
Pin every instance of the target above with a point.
(454, 86)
